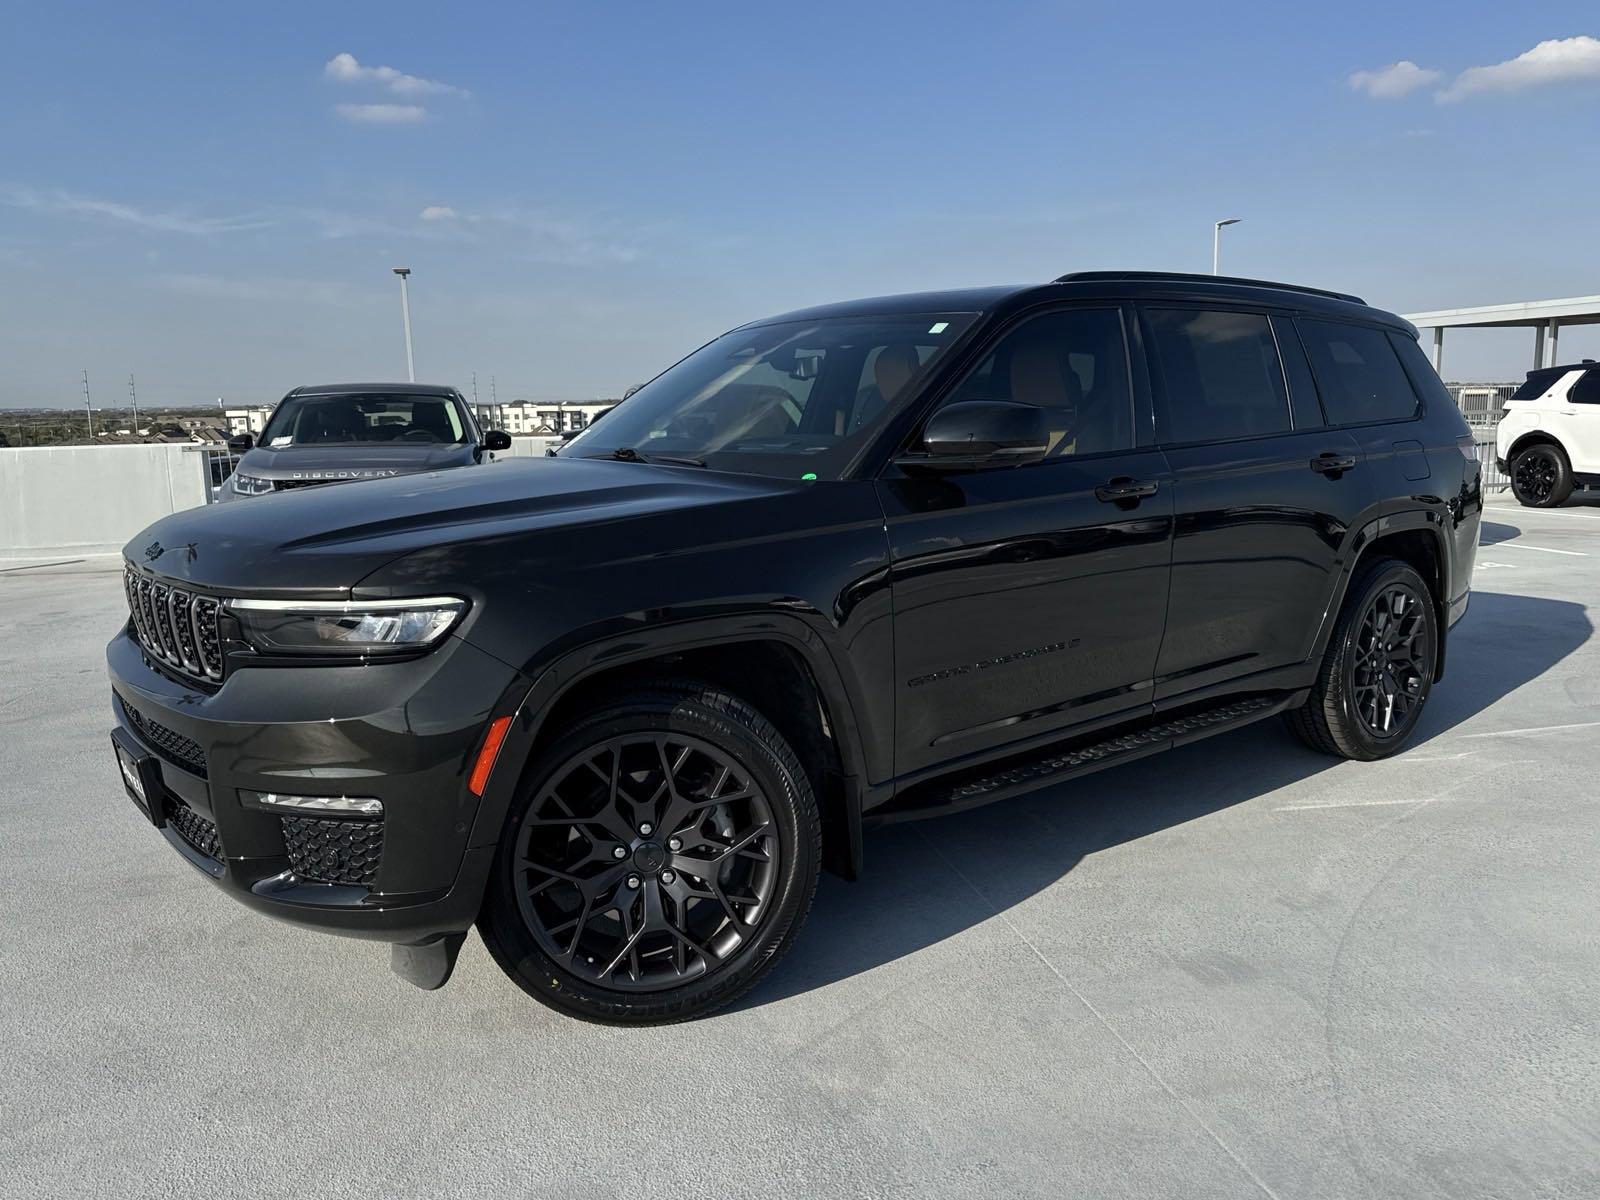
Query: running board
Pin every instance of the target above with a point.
(1061, 761)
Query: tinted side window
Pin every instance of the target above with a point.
(1074, 365)
(1303, 401)
(1220, 375)
(1423, 377)
(1537, 384)
(1358, 373)
(1586, 390)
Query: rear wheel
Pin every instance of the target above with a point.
(1378, 669)
(1541, 477)
(660, 858)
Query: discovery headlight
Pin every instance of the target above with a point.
(355, 628)
(250, 485)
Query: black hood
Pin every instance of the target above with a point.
(330, 538)
(335, 463)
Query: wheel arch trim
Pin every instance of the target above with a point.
(582, 663)
(1359, 547)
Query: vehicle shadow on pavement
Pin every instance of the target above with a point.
(929, 881)
(1492, 532)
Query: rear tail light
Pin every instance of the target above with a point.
(1468, 445)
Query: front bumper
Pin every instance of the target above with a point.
(404, 732)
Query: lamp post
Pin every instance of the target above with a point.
(1216, 243)
(405, 315)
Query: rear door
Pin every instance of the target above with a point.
(1030, 599)
(1264, 493)
(1582, 418)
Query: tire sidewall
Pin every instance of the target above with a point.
(794, 812)
(1370, 745)
(1559, 490)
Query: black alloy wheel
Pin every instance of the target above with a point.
(1392, 660)
(647, 860)
(663, 852)
(1377, 670)
(1541, 477)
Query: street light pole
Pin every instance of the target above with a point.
(1216, 243)
(405, 315)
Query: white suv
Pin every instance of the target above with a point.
(1548, 441)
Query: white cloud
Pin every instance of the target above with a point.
(439, 212)
(1559, 60)
(343, 68)
(1394, 81)
(382, 114)
(71, 204)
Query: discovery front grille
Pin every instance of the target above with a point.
(175, 627)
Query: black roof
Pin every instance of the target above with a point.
(402, 389)
(1577, 366)
(1132, 285)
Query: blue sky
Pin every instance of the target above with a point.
(585, 191)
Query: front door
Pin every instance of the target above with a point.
(1031, 599)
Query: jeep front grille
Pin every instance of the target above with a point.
(176, 628)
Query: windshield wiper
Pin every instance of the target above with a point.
(629, 454)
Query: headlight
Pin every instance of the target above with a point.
(250, 485)
(357, 628)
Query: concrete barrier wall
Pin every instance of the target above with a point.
(60, 500)
(63, 500)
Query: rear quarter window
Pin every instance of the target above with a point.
(1538, 383)
(1358, 373)
(1586, 390)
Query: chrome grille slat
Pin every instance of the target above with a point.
(177, 628)
(179, 603)
(159, 596)
(203, 613)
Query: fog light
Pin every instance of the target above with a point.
(341, 806)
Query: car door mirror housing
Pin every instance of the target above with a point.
(497, 439)
(239, 443)
(976, 435)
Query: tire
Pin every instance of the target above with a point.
(1541, 476)
(563, 908)
(1359, 710)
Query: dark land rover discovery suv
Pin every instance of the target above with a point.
(851, 565)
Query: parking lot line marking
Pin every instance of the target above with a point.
(1541, 549)
(1533, 730)
(1357, 804)
(1105, 1024)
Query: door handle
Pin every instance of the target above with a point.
(1330, 463)
(1121, 489)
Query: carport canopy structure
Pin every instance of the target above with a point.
(1544, 317)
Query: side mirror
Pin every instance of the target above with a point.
(239, 443)
(977, 435)
(497, 439)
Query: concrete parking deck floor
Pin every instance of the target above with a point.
(1237, 969)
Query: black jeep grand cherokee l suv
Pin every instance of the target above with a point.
(855, 564)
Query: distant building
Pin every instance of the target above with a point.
(547, 418)
(247, 420)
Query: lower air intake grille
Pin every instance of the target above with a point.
(194, 829)
(169, 743)
(330, 850)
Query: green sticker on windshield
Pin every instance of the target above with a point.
(809, 475)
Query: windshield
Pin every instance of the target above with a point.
(796, 399)
(345, 418)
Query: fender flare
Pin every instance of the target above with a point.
(562, 674)
(1356, 546)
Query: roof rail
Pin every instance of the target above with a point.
(1182, 277)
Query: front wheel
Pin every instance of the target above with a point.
(1378, 669)
(660, 857)
(1541, 477)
